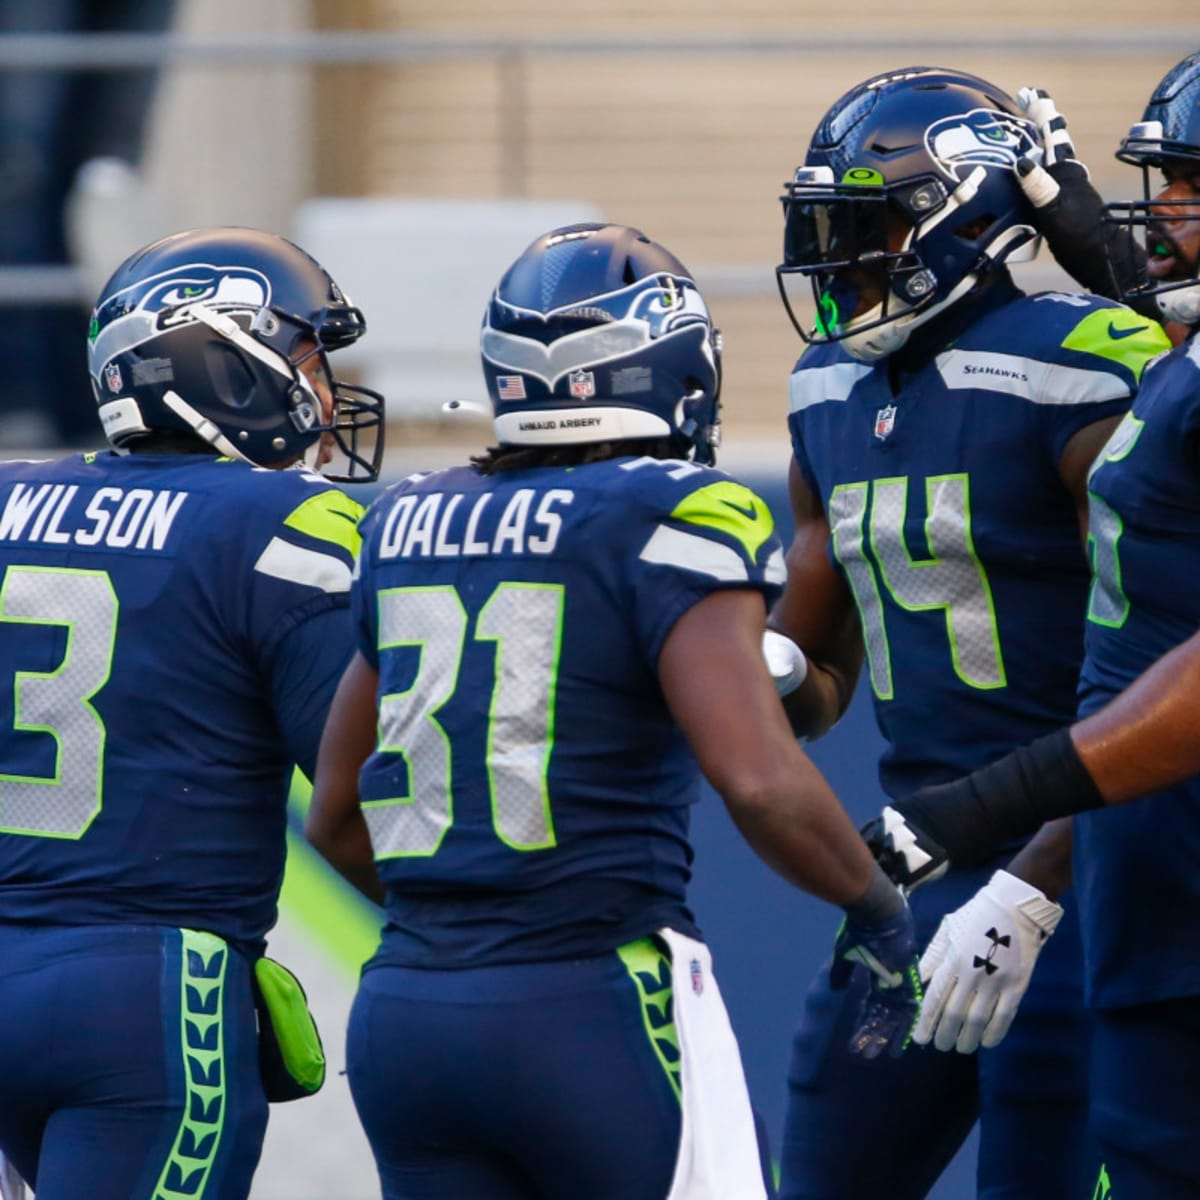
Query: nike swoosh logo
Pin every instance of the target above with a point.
(1116, 334)
(751, 513)
(863, 956)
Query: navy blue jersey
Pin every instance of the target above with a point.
(529, 797)
(952, 525)
(1138, 866)
(172, 629)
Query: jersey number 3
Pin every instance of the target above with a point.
(524, 620)
(58, 703)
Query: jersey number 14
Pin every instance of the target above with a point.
(953, 581)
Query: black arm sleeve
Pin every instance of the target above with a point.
(971, 818)
(1101, 257)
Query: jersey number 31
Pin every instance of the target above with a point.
(524, 620)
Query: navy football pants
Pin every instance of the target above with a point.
(128, 1063)
(531, 1082)
(856, 1130)
(1146, 1100)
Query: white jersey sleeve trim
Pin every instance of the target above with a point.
(1029, 379)
(295, 564)
(674, 548)
(818, 385)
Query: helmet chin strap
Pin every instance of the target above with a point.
(231, 331)
(202, 427)
(226, 327)
(873, 344)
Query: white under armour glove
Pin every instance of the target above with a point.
(1038, 179)
(785, 661)
(979, 963)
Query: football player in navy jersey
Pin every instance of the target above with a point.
(1136, 866)
(174, 617)
(942, 426)
(554, 644)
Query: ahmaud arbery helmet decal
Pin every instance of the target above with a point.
(204, 333)
(597, 334)
(907, 198)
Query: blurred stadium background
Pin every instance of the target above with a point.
(415, 146)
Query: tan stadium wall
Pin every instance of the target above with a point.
(692, 147)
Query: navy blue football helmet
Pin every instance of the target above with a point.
(1166, 139)
(209, 333)
(908, 196)
(598, 334)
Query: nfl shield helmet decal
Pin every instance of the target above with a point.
(885, 421)
(112, 378)
(582, 384)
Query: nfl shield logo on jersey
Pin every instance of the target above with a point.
(697, 974)
(112, 377)
(582, 384)
(885, 421)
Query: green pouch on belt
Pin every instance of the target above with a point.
(291, 1058)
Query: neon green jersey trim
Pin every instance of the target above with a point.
(331, 517)
(649, 968)
(198, 1139)
(732, 509)
(1120, 335)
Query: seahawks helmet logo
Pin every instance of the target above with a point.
(131, 316)
(981, 137)
(201, 283)
(240, 287)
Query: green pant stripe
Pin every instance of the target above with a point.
(649, 968)
(202, 1005)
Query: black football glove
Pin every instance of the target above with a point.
(1041, 180)
(1070, 212)
(888, 951)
